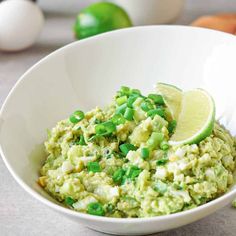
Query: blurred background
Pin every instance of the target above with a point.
(63, 13)
(30, 30)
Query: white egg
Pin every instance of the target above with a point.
(21, 21)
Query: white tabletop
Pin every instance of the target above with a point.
(20, 214)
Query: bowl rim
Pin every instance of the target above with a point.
(85, 216)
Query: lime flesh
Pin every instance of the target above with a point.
(172, 97)
(196, 118)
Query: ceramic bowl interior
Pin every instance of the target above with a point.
(87, 73)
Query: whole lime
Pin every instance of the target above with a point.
(99, 18)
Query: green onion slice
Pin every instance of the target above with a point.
(118, 119)
(95, 208)
(172, 126)
(93, 166)
(126, 147)
(155, 139)
(158, 99)
(144, 153)
(121, 109)
(162, 161)
(158, 111)
(118, 176)
(76, 117)
(147, 105)
(133, 172)
(131, 100)
(105, 128)
(129, 114)
(69, 201)
(121, 100)
(164, 145)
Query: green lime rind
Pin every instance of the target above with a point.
(100, 17)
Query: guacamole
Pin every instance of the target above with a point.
(117, 161)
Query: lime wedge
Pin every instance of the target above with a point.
(172, 97)
(196, 118)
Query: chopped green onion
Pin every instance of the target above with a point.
(172, 126)
(133, 172)
(146, 106)
(126, 147)
(121, 109)
(76, 117)
(144, 153)
(118, 176)
(164, 145)
(105, 128)
(135, 91)
(162, 161)
(131, 100)
(93, 166)
(69, 201)
(123, 180)
(121, 100)
(82, 140)
(95, 208)
(125, 90)
(129, 114)
(155, 140)
(118, 119)
(158, 111)
(100, 129)
(202, 200)
(158, 99)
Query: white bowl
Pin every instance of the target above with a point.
(87, 73)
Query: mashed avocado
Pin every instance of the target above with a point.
(117, 162)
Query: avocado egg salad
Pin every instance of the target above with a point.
(141, 156)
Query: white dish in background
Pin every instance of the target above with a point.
(152, 12)
(86, 73)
